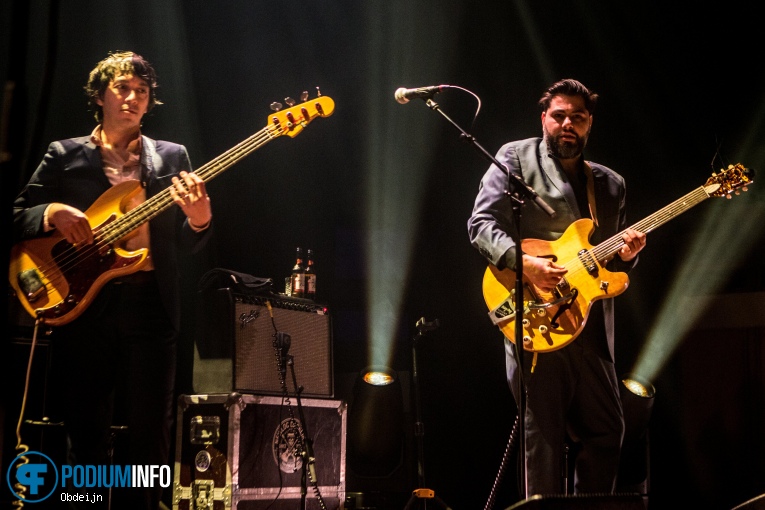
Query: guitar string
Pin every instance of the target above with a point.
(615, 243)
(113, 231)
(322, 108)
(71, 256)
(728, 180)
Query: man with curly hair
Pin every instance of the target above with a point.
(119, 354)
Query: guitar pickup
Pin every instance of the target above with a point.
(588, 261)
(31, 284)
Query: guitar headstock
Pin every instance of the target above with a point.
(729, 180)
(294, 119)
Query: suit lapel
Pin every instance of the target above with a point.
(149, 160)
(555, 176)
(93, 155)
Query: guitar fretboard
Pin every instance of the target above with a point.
(609, 247)
(163, 200)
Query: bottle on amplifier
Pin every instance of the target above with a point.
(310, 276)
(297, 279)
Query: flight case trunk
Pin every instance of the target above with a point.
(243, 452)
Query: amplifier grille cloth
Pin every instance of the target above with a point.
(256, 369)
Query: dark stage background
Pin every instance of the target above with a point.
(682, 95)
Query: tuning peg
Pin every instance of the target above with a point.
(304, 96)
(275, 106)
(289, 101)
(318, 92)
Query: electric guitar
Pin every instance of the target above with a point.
(56, 281)
(551, 320)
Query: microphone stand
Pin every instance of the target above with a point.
(308, 468)
(421, 494)
(518, 191)
(282, 342)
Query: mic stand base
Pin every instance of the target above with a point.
(421, 496)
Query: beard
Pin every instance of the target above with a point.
(565, 150)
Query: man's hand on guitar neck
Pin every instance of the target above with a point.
(634, 241)
(72, 223)
(190, 194)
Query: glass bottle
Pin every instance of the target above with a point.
(310, 276)
(297, 279)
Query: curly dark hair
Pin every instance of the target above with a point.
(116, 64)
(569, 87)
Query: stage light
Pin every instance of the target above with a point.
(376, 423)
(637, 401)
(378, 378)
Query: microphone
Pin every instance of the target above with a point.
(403, 95)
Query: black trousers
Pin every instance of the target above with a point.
(115, 366)
(572, 395)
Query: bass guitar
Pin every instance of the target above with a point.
(551, 320)
(56, 281)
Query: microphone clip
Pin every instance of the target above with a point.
(281, 344)
(424, 326)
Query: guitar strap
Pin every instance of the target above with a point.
(591, 193)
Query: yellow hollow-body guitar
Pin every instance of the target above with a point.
(551, 320)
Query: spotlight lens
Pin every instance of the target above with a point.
(378, 378)
(637, 388)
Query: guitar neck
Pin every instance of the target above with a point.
(162, 201)
(611, 246)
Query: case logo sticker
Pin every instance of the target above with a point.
(288, 445)
(203, 461)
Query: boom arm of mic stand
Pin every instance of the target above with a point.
(525, 190)
(520, 186)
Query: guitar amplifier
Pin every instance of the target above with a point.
(249, 324)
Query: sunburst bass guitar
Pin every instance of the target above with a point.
(551, 320)
(56, 281)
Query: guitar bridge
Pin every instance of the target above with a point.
(31, 284)
(547, 304)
